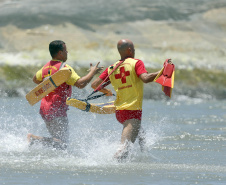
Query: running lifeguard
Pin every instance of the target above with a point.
(53, 108)
(127, 81)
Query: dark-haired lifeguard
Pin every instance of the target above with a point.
(53, 107)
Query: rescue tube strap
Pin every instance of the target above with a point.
(87, 107)
(50, 78)
(95, 97)
(104, 81)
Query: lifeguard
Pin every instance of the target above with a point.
(127, 81)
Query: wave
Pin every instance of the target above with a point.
(190, 33)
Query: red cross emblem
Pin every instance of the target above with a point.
(123, 74)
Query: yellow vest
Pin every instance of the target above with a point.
(128, 86)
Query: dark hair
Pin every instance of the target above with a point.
(55, 46)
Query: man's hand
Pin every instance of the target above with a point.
(95, 69)
(97, 82)
(107, 92)
(83, 81)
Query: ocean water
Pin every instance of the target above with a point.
(186, 144)
(185, 136)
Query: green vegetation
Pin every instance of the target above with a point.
(187, 82)
(17, 72)
(196, 76)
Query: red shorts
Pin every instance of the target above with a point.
(123, 115)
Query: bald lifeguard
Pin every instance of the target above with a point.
(127, 81)
(126, 48)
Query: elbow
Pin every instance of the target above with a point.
(35, 80)
(148, 79)
(144, 77)
(145, 80)
(81, 86)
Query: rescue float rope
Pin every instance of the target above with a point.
(101, 86)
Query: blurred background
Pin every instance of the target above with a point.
(192, 33)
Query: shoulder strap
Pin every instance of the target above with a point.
(62, 65)
(102, 86)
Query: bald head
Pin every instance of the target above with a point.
(125, 48)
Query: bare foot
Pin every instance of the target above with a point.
(57, 140)
(29, 137)
(121, 154)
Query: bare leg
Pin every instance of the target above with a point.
(58, 128)
(34, 137)
(31, 137)
(129, 134)
(51, 142)
(142, 139)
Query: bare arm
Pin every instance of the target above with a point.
(97, 82)
(83, 81)
(35, 80)
(148, 77)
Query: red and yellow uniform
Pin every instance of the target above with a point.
(129, 88)
(54, 104)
